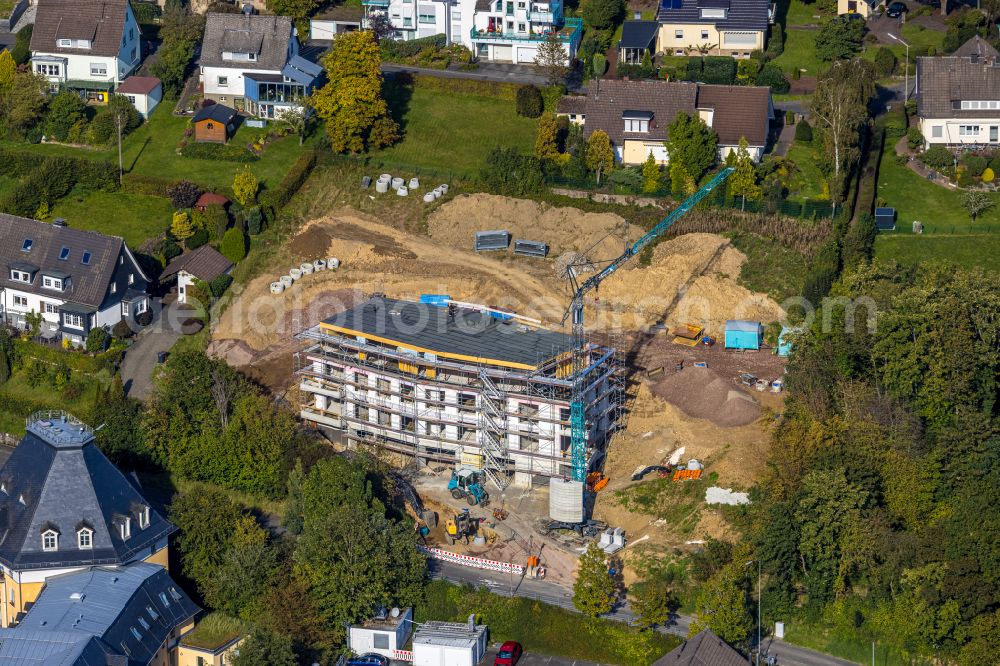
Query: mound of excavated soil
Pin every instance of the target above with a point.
(703, 394)
(564, 229)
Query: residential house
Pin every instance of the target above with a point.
(334, 21)
(636, 115)
(494, 30)
(145, 92)
(215, 123)
(85, 45)
(866, 8)
(702, 649)
(76, 279)
(573, 107)
(252, 63)
(713, 27)
(102, 615)
(207, 648)
(65, 508)
(638, 40)
(204, 263)
(958, 96)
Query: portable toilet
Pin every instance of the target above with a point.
(741, 334)
(784, 340)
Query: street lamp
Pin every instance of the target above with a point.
(758, 606)
(906, 68)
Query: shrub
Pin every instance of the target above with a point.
(789, 117)
(937, 157)
(988, 175)
(234, 245)
(772, 76)
(145, 318)
(551, 96)
(598, 65)
(529, 102)
(197, 239)
(97, 339)
(776, 43)
(121, 330)
(183, 194)
(508, 172)
(914, 138)
(290, 184)
(137, 183)
(254, 220)
(976, 164)
(219, 285)
(22, 51)
(885, 61)
(170, 250)
(896, 122)
(65, 110)
(804, 132)
(101, 129)
(223, 152)
(397, 49)
(718, 69)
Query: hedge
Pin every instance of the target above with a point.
(137, 183)
(223, 152)
(83, 363)
(496, 89)
(280, 196)
(392, 48)
(48, 179)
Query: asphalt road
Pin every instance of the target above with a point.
(550, 593)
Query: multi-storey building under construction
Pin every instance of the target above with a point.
(451, 384)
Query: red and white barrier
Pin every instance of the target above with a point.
(402, 655)
(470, 561)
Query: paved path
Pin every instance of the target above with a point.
(551, 593)
(140, 359)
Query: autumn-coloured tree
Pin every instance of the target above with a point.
(181, 226)
(743, 181)
(650, 174)
(545, 142)
(7, 69)
(245, 186)
(351, 102)
(600, 155)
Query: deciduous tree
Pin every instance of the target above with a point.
(594, 589)
(722, 606)
(840, 108)
(265, 648)
(602, 14)
(977, 203)
(600, 155)
(545, 142)
(692, 143)
(652, 602)
(552, 58)
(351, 102)
(743, 180)
(181, 226)
(245, 186)
(839, 39)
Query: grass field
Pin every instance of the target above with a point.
(134, 217)
(809, 181)
(965, 250)
(545, 629)
(450, 133)
(800, 52)
(771, 267)
(817, 637)
(799, 13)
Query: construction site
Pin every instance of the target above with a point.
(529, 411)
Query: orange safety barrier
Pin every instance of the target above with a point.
(687, 474)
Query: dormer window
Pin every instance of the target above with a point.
(20, 276)
(125, 528)
(50, 540)
(637, 121)
(85, 539)
(713, 13)
(66, 43)
(50, 282)
(143, 514)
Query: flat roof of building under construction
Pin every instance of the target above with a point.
(450, 333)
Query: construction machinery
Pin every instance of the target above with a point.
(465, 483)
(578, 428)
(461, 526)
(688, 335)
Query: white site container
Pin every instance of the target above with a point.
(429, 197)
(398, 183)
(286, 280)
(382, 186)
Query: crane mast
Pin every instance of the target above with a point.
(578, 426)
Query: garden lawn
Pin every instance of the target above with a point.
(134, 217)
(809, 180)
(799, 13)
(962, 249)
(450, 133)
(800, 52)
(18, 399)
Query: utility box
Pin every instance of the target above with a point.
(885, 219)
(449, 643)
(741, 334)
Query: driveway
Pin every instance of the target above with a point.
(140, 360)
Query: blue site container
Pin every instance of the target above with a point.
(742, 334)
(440, 300)
(784, 340)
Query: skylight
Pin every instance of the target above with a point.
(64, 253)
(135, 632)
(86, 259)
(26, 246)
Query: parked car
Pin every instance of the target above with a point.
(508, 655)
(368, 659)
(896, 10)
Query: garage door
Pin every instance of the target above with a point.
(525, 54)
(504, 53)
(321, 30)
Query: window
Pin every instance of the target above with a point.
(175, 594)
(131, 98)
(143, 623)
(47, 70)
(426, 18)
(713, 12)
(21, 301)
(520, 27)
(968, 130)
(50, 308)
(26, 245)
(222, 98)
(134, 54)
(131, 278)
(85, 260)
(678, 34)
(144, 518)
(125, 528)
(65, 42)
(380, 641)
(223, 81)
(704, 34)
(636, 125)
(50, 540)
(63, 253)
(124, 308)
(72, 320)
(114, 287)
(85, 539)
(98, 69)
(140, 307)
(131, 33)
(456, 16)
(135, 632)
(252, 56)
(407, 22)
(936, 131)
(20, 276)
(985, 104)
(152, 612)
(164, 600)
(52, 283)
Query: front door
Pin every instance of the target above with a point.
(993, 133)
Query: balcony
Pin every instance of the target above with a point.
(376, 3)
(569, 33)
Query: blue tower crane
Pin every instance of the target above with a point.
(578, 428)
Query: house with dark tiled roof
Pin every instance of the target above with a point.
(204, 264)
(715, 27)
(77, 280)
(86, 45)
(638, 40)
(64, 507)
(702, 649)
(252, 63)
(958, 96)
(636, 115)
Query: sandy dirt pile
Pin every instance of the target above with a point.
(564, 229)
(691, 279)
(703, 394)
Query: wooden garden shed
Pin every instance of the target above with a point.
(215, 123)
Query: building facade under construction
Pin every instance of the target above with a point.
(460, 385)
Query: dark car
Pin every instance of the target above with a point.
(508, 655)
(895, 10)
(368, 659)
